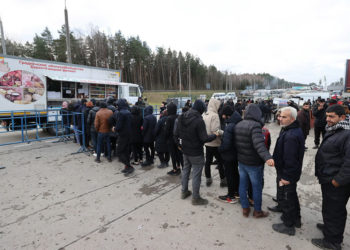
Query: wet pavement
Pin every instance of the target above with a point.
(51, 199)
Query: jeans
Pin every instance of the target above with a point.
(255, 175)
(334, 211)
(103, 138)
(77, 133)
(94, 140)
(196, 163)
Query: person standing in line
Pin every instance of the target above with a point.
(212, 123)
(149, 123)
(304, 119)
(191, 135)
(169, 135)
(122, 126)
(103, 129)
(252, 154)
(288, 156)
(161, 141)
(91, 125)
(332, 168)
(228, 153)
(136, 135)
(319, 112)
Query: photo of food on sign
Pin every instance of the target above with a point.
(21, 87)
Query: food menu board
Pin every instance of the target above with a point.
(97, 91)
(21, 87)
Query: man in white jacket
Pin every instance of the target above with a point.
(212, 124)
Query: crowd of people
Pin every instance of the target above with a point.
(233, 134)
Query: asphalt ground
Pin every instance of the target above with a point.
(52, 199)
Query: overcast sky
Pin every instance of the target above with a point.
(299, 40)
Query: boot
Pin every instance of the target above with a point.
(283, 229)
(185, 194)
(199, 201)
(260, 214)
(246, 212)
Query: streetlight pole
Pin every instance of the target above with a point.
(2, 39)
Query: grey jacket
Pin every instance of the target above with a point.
(250, 145)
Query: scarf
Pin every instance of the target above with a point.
(345, 124)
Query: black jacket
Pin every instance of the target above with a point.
(159, 132)
(192, 132)
(332, 160)
(136, 124)
(122, 120)
(91, 118)
(320, 117)
(149, 123)
(169, 124)
(227, 148)
(289, 152)
(249, 140)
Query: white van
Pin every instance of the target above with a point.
(219, 96)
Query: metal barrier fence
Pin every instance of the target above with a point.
(55, 122)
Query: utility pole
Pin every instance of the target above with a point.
(180, 71)
(2, 39)
(69, 54)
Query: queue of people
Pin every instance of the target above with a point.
(240, 145)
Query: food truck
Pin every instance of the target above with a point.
(27, 85)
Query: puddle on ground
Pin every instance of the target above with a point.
(158, 185)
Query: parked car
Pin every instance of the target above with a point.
(219, 96)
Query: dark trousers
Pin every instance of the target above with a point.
(334, 211)
(123, 150)
(232, 176)
(318, 132)
(288, 201)
(94, 140)
(113, 142)
(137, 151)
(210, 152)
(103, 138)
(175, 156)
(149, 149)
(164, 157)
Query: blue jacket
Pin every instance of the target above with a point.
(149, 123)
(227, 148)
(289, 152)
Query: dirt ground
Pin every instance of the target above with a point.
(52, 199)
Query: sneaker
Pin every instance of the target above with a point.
(228, 199)
(315, 147)
(102, 154)
(283, 229)
(146, 164)
(323, 244)
(162, 165)
(174, 172)
(98, 160)
(275, 209)
(185, 194)
(135, 163)
(199, 201)
(223, 182)
(236, 195)
(94, 154)
(109, 160)
(209, 181)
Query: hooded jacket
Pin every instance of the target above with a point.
(332, 159)
(169, 123)
(191, 130)
(122, 120)
(249, 140)
(289, 152)
(136, 125)
(91, 118)
(149, 123)
(227, 148)
(212, 121)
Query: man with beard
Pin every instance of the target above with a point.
(332, 168)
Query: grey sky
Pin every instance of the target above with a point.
(300, 41)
